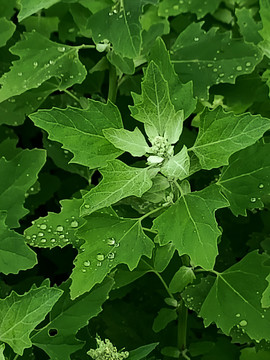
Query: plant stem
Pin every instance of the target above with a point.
(113, 84)
(16, 357)
(182, 327)
(72, 95)
(150, 213)
(149, 230)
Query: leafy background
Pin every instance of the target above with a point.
(104, 228)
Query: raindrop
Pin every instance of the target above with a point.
(111, 241)
(111, 256)
(87, 263)
(215, 69)
(62, 236)
(99, 264)
(243, 323)
(83, 270)
(20, 73)
(87, 206)
(59, 228)
(61, 49)
(128, 13)
(53, 240)
(40, 234)
(100, 257)
(74, 224)
(221, 75)
(196, 39)
(43, 240)
(261, 186)
(35, 64)
(175, 7)
(51, 62)
(239, 68)
(110, 13)
(117, 244)
(43, 226)
(248, 63)
(237, 315)
(253, 199)
(209, 65)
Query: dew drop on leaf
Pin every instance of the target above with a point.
(87, 263)
(196, 39)
(61, 49)
(261, 186)
(237, 315)
(100, 257)
(43, 226)
(83, 270)
(43, 240)
(87, 206)
(253, 199)
(239, 68)
(111, 256)
(59, 228)
(99, 264)
(243, 323)
(74, 224)
(20, 73)
(111, 241)
(40, 234)
(35, 64)
(53, 240)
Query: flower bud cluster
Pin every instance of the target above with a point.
(106, 351)
(161, 150)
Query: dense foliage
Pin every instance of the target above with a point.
(134, 179)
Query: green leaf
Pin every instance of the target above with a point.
(30, 7)
(155, 109)
(181, 279)
(212, 57)
(109, 241)
(121, 26)
(250, 353)
(20, 314)
(80, 131)
(131, 141)
(177, 166)
(248, 26)
(141, 352)
(266, 295)
(181, 94)
(164, 317)
(191, 226)
(264, 32)
(67, 317)
(2, 348)
(57, 229)
(245, 181)
(198, 7)
(36, 65)
(119, 181)
(223, 133)
(7, 29)
(162, 256)
(15, 255)
(124, 65)
(18, 175)
(43, 25)
(235, 298)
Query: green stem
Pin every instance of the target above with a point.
(16, 357)
(149, 230)
(150, 213)
(72, 95)
(113, 84)
(182, 327)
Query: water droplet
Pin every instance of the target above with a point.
(61, 49)
(117, 245)
(40, 234)
(215, 69)
(59, 228)
(175, 7)
(62, 236)
(237, 315)
(71, 30)
(261, 186)
(87, 206)
(110, 13)
(20, 73)
(209, 65)
(100, 257)
(53, 240)
(221, 75)
(83, 270)
(99, 264)
(263, 316)
(243, 323)
(253, 199)
(87, 263)
(239, 68)
(43, 226)
(196, 39)
(51, 62)
(35, 64)
(248, 63)
(128, 13)
(74, 224)
(43, 240)
(111, 256)
(111, 241)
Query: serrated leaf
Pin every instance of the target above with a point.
(242, 286)
(17, 177)
(177, 166)
(67, 317)
(183, 277)
(191, 226)
(223, 133)
(7, 29)
(44, 25)
(142, 351)
(250, 353)
(246, 179)
(121, 26)
(248, 26)
(20, 314)
(155, 109)
(57, 229)
(80, 131)
(163, 318)
(30, 7)
(181, 94)
(119, 181)
(131, 141)
(15, 255)
(212, 57)
(109, 241)
(37, 65)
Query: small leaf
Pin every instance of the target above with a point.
(191, 226)
(7, 29)
(183, 277)
(266, 295)
(248, 26)
(80, 131)
(20, 314)
(141, 352)
(119, 181)
(162, 256)
(130, 141)
(109, 241)
(164, 317)
(155, 109)
(222, 133)
(177, 166)
(30, 7)
(18, 175)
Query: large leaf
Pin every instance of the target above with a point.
(155, 109)
(191, 226)
(177, 167)
(248, 26)
(80, 131)
(234, 298)
(7, 29)
(67, 317)
(119, 181)
(15, 255)
(223, 133)
(17, 176)
(30, 7)
(56, 229)
(40, 60)
(121, 26)
(20, 314)
(181, 94)
(247, 178)
(109, 241)
(212, 57)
